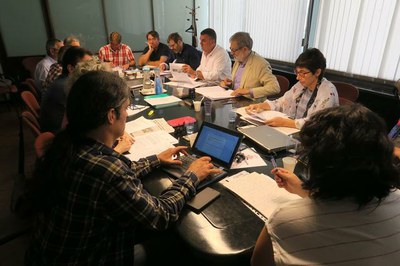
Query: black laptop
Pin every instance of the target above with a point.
(219, 143)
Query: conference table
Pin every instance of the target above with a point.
(225, 232)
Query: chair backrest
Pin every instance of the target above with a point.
(30, 120)
(42, 142)
(29, 63)
(31, 102)
(283, 84)
(346, 90)
(27, 85)
(344, 101)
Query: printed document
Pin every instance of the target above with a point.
(215, 92)
(259, 191)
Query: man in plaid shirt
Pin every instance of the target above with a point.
(88, 198)
(117, 53)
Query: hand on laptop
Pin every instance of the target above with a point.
(203, 167)
(171, 155)
(280, 122)
(257, 108)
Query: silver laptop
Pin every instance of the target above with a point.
(219, 143)
(267, 137)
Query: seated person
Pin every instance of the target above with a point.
(43, 67)
(52, 108)
(215, 64)
(72, 41)
(182, 52)
(117, 53)
(89, 200)
(312, 93)
(156, 52)
(350, 209)
(251, 74)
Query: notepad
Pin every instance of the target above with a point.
(161, 101)
(259, 191)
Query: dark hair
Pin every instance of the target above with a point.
(349, 155)
(115, 36)
(154, 34)
(61, 53)
(312, 59)
(242, 39)
(210, 32)
(175, 37)
(90, 99)
(51, 43)
(73, 56)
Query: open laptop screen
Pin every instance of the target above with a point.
(217, 142)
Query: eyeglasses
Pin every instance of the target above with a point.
(235, 50)
(301, 74)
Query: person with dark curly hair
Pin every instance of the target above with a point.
(349, 213)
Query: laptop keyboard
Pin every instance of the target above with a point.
(188, 159)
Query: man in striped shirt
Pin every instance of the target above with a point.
(117, 53)
(350, 211)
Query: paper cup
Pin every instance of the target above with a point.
(289, 163)
(197, 106)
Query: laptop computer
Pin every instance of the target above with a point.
(219, 143)
(267, 137)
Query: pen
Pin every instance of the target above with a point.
(273, 162)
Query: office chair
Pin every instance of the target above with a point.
(29, 63)
(344, 101)
(42, 142)
(283, 84)
(346, 90)
(31, 102)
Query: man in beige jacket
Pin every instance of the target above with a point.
(251, 74)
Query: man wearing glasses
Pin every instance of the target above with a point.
(312, 93)
(215, 64)
(43, 67)
(251, 74)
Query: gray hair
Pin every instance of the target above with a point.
(242, 39)
(86, 66)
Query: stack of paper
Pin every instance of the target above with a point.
(151, 137)
(215, 92)
(259, 191)
(259, 119)
(162, 100)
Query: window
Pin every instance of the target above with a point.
(359, 37)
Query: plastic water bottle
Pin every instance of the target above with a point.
(146, 78)
(157, 81)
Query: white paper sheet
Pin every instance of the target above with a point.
(252, 159)
(150, 144)
(259, 191)
(215, 92)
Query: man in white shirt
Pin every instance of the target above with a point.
(215, 64)
(43, 67)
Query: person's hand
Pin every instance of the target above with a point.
(226, 83)
(124, 143)
(163, 66)
(280, 122)
(150, 47)
(187, 69)
(240, 91)
(171, 155)
(203, 167)
(257, 108)
(125, 67)
(289, 181)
